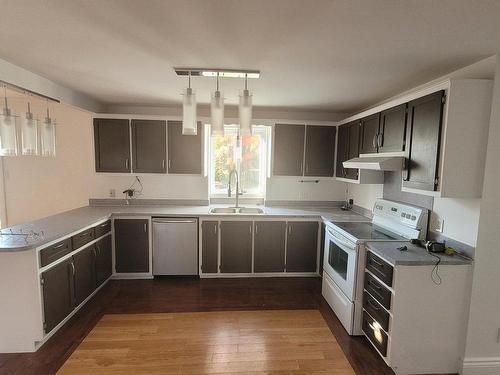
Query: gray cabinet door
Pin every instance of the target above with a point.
(288, 150)
(184, 151)
(369, 134)
(320, 151)
(353, 149)
(209, 246)
(112, 145)
(302, 246)
(84, 262)
(269, 246)
(131, 245)
(58, 294)
(423, 137)
(392, 129)
(104, 262)
(342, 149)
(149, 146)
(236, 246)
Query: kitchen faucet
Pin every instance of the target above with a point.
(235, 172)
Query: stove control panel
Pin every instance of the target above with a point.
(402, 213)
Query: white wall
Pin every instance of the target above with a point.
(365, 195)
(290, 188)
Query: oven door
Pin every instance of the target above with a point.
(340, 259)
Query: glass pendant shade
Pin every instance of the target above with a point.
(29, 134)
(8, 133)
(48, 137)
(189, 125)
(245, 112)
(217, 113)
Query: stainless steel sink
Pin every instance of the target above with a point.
(236, 210)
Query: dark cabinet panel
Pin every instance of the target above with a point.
(83, 238)
(102, 229)
(392, 129)
(288, 150)
(320, 151)
(84, 263)
(423, 139)
(302, 246)
(236, 246)
(342, 149)
(369, 134)
(149, 146)
(184, 151)
(353, 149)
(112, 145)
(52, 253)
(131, 245)
(269, 246)
(209, 246)
(103, 260)
(58, 293)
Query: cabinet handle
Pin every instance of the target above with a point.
(59, 246)
(103, 225)
(376, 262)
(374, 141)
(372, 304)
(169, 163)
(145, 228)
(256, 229)
(73, 269)
(250, 228)
(289, 230)
(126, 163)
(163, 164)
(374, 285)
(215, 228)
(380, 139)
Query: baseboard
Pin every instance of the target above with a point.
(481, 366)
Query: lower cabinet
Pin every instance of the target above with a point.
(84, 273)
(236, 246)
(209, 246)
(302, 246)
(103, 260)
(269, 246)
(58, 293)
(131, 245)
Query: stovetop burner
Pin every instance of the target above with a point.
(368, 231)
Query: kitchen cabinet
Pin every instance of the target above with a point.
(184, 151)
(424, 133)
(236, 246)
(209, 246)
(320, 151)
(342, 149)
(58, 293)
(84, 273)
(131, 245)
(269, 246)
(369, 133)
(103, 260)
(112, 145)
(352, 149)
(392, 135)
(52, 253)
(149, 146)
(288, 150)
(302, 246)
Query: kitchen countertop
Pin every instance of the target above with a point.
(68, 222)
(414, 256)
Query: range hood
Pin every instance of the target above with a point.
(377, 163)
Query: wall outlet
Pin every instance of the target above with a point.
(112, 193)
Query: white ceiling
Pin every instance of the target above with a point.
(322, 55)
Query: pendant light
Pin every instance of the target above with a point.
(189, 125)
(29, 132)
(245, 109)
(48, 135)
(8, 132)
(217, 110)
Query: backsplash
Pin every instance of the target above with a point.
(392, 191)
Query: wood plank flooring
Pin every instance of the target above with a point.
(234, 342)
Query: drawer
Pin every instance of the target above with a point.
(376, 310)
(375, 334)
(378, 291)
(379, 268)
(54, 252)
(83, 238)
(102, 229)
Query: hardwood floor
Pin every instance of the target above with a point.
(192, 295)
(235, 342)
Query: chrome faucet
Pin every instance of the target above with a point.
(235, 172)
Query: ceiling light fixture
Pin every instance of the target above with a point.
(29, 132)
(8, 133)
(48, 135)
(189, 125)
(222, 73)
(245, 110)
(217, 110)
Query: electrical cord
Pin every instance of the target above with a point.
(436, 278)
(137, 193)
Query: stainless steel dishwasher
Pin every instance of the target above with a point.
(175, 246)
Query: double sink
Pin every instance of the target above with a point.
(237, 210)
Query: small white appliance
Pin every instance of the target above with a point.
(344, 255)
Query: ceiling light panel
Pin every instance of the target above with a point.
(223, 73)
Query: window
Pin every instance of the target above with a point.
(248, 154)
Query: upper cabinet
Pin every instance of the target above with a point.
(301, 150)
(342, 149)
(149, 146)
(184, 151)
(112, 145)
(369, 134)
(391, 136)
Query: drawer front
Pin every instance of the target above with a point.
(376, 310)
(102, 229)
(378, 291)
(375, 334)
(52, 253)
(83, 238)
(379, 268)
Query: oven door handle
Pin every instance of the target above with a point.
(349, 246)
